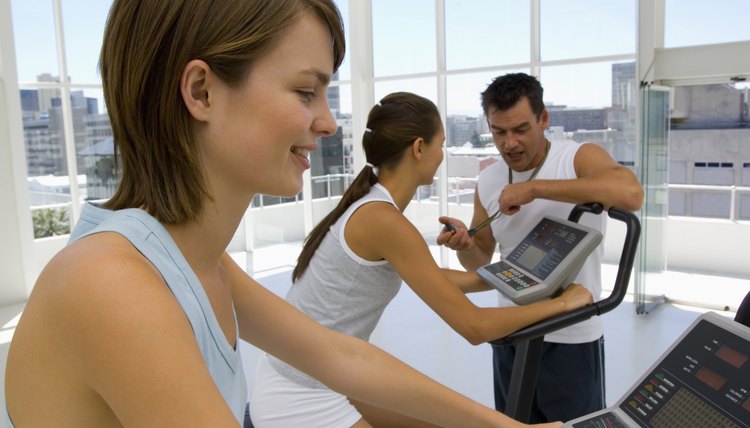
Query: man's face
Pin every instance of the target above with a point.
(519, 135)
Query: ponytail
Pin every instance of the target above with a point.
(392, 126)
(360, 187)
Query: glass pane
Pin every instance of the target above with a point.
(50, 220)
(594, 103)
(654, 161)
(586, 28)
(34, 35)
(465, 120)
(469, 144)
(698, 22)
(403, 35)
(43, 133)
(426, 87)
(710, 135)
(344, 72)
(474, 37)
(655, 157)
(83, 23)
(46, 158)
(49, 185)
(332, 162)
(579, 85)
(94, 144)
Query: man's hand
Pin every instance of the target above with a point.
(513, 196)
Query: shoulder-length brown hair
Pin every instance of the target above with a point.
(147, 43)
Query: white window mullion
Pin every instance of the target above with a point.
(363, 91)
(442, 99)
(535, 36)
(67, 112)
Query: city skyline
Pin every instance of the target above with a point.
(471, 30)
(585, 95)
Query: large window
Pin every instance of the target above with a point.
(403, 36)
(698, 22)
(486, 33)
(594, 102)
(583, 51)
(69, 151)
(584, 55)
(709, 152)
(573, 29)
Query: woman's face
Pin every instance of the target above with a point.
(434, 151)
(260, 136)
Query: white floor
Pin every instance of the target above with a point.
(412, 332)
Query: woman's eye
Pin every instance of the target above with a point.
(306, 95)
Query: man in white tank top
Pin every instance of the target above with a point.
(538, 178)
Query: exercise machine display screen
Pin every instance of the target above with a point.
(548, 258)
(703, 380)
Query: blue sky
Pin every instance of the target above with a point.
(480, 33)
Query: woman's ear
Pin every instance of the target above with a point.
(417, 147)
(194, 87)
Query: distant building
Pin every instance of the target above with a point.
(44, 132)
(573, 119)
(709, 144)
(461, 130)
(50, 189)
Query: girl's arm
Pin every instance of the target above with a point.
(380, 231)
(467, 282)
(346, 364)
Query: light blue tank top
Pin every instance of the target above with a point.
(147, 235)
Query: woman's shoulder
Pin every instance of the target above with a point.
(96, 305)
(96, 266)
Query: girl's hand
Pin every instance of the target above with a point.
(454, 235)
(575, 296)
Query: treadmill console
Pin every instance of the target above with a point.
(703, 380)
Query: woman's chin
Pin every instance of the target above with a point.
(288, 191)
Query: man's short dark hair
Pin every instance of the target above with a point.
(505, 91)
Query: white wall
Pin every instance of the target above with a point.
(285, 222)
(16, 233)
(12, 278)
(710, 246)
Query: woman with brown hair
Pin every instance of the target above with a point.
(137, 321)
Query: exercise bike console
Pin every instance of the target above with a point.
(545, 261)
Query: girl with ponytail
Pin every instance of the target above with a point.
(354, 261)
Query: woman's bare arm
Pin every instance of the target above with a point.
(407, 252)
(347, 364)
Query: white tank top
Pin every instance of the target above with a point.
(510, 230)
(341, 290)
